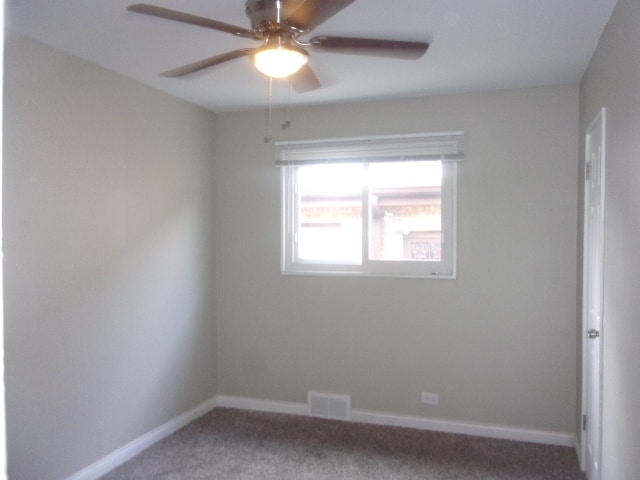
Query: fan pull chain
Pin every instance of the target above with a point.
(286, 123)
(268, 130)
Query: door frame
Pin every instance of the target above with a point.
(602, 117)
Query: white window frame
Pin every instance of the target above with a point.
(292, 155)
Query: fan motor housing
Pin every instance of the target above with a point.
(270, 14)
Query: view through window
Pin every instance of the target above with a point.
(403, 215)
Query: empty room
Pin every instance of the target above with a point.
(424, 232)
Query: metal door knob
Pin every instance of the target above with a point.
(593, 333)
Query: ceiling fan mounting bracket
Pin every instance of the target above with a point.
(269, 12)
(268, 19)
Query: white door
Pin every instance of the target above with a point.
(592, 295)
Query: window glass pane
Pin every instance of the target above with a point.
(330, 213)
(405, 211)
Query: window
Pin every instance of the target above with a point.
(370, 206)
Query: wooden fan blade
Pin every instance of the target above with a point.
(311, 13)
(169, 14)
(370, 46)
(208, 62)
(304, 80)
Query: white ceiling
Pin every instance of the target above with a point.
(476, 45)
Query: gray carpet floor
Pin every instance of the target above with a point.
(235, 444)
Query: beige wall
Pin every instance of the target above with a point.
(109, 271)
(613, 81)
(497, 343)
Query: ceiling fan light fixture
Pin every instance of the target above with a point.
(279, 59)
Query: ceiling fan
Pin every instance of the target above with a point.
(279, 24)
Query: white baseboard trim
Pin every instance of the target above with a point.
(465, 428)
(133, 448)
(421, 423)
(247, 403)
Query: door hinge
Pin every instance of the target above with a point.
(584, 422)
(587, 171)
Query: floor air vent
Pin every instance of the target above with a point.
(329, 405)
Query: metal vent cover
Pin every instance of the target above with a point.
(329, 405)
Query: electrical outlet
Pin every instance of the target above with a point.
(429, 398)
